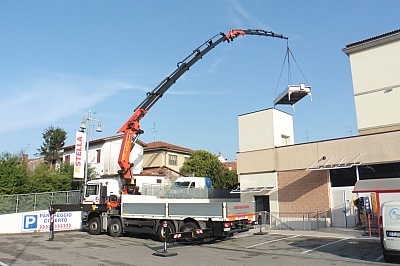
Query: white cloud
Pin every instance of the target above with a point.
(43, 100)
(214, 65)
(244, 19)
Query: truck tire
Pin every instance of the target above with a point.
(189, 227)
(94, 226)
(115, 227)
(160, 230)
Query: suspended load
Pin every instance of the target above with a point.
(292, 94)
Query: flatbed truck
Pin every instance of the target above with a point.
(104, 210)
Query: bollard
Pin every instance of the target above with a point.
(259, 220)
(165, 253)
(51, 237)
(165, 225)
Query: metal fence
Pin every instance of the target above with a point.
(37, 201)
(295, 221)
(171, 192)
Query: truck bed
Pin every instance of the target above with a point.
(216, 211)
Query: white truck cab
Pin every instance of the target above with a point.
(390, 230)
(94, 187)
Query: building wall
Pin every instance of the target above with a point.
(160, 158)
(365, 149)
(376, 81)
(265, 129)
(153, 159)
(268, 181)
(108, 164)
(303, 191)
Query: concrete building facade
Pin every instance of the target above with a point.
(375, 70)
(320, 176)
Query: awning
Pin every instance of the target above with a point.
(255, 188)
(384, 185)
(327, 165)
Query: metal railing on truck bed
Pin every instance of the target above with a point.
(171, 192)
(37, 201)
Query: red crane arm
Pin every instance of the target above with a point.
(131, 128)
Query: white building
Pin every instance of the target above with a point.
(103, 155)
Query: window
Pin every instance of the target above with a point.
(91, 190)
(343, 177)
(98, 155)
(172, 159)
(285, 140)
(67, 159)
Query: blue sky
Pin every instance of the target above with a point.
(60, 59)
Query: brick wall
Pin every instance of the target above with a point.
(303, 191)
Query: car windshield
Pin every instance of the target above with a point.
(182, 184)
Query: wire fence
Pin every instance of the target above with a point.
(294, 221)
(37, 201)
(172, 192)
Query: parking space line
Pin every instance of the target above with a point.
(304, 252)
(379, 258)
(271, 241)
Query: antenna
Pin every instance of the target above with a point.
(154, 131)
(306, 138)
(350, 131)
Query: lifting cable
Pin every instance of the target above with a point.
(287, 57)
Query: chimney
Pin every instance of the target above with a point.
(25, 158)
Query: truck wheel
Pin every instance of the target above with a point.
(160, 230)
(189, 227)
(115, 227)
(94, 226)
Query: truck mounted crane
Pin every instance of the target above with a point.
(111, 205)
(131, 129)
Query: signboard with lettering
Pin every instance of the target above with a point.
(40, 221)
(80, 155)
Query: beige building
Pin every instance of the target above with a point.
(161, 158)
(320, 176)
(376, 82)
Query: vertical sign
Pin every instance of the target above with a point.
(80, 155)
(367, 205)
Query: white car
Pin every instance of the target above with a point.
(390, 230)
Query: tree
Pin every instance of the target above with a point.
(16, 179)
(54, 138)
(12, 174)
(47, 179)
(204, 163)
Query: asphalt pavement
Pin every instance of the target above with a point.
(329, 246)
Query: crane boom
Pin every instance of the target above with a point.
(131, 128)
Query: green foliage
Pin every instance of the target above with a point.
(230, 178)
(12, 174)
(47, 179)
(204, 163)
(54, 138)
(15, 179)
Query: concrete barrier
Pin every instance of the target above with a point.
(39, 221)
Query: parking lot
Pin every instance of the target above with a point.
(279, 247)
